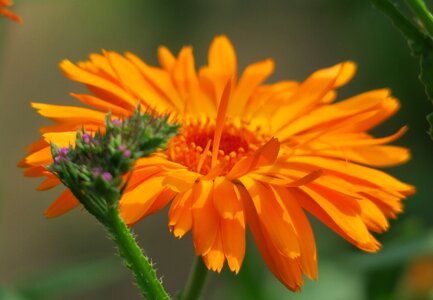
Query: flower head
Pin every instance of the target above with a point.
(97, 173)
(8, 13)
(248, 154)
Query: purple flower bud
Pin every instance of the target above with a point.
(87, 138)
(63, 151)
(127, 153)
(97, 171)
(116, 122)
(62, 155)
(122, 148)
(107, 176)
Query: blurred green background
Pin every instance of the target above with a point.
(71, 258)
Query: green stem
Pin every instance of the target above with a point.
(196, 281)
(150, 286)
(419, 8)
(416, 39)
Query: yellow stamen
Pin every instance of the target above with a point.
(203, 156)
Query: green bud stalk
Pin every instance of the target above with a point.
(96, 170)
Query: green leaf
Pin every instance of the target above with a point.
(419, 8)
(69, 279)
(417, 40)
(420, 43)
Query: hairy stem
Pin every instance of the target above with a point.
(416, 39)
(419, 9)
(150, 286)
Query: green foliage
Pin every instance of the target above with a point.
(418, 37)
(63, 280)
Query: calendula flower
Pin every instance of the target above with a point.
(8, 13)
(248, 154)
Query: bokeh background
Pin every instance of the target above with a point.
(70, 257)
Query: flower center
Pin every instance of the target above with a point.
(193, 146)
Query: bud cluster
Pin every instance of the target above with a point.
(96, 168)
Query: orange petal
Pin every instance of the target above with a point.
(166, 58)
(252, 77)
(273, 180)
(133, 81)
(163, 199)
(233, 239)
(285, 269)
(64, 203)
(222, 58)
(159, 80)
(71, 114)
(353, 140)
(102, 105)
(48, 183)
(179, 214)
(40, 157)
(265, 155)
(181, 180)
(225, 198)
(61, 139)
(267, 99)
(220, 121)
(372, 216)
(205, 217)
(7, 13)
(356, 174)
(36, 171)
(312, 92)
(390, 205)
(99, 65)
(307, 244)
(338, 112)
(186, 81)
(274, 218)
(222, 68)
(377, 156)
(101, 87)
(343, 220)
(184, 76)
(136, 202)
(214, 258)
(38, 145)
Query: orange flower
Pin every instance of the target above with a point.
(8, 13)
(248, 154)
